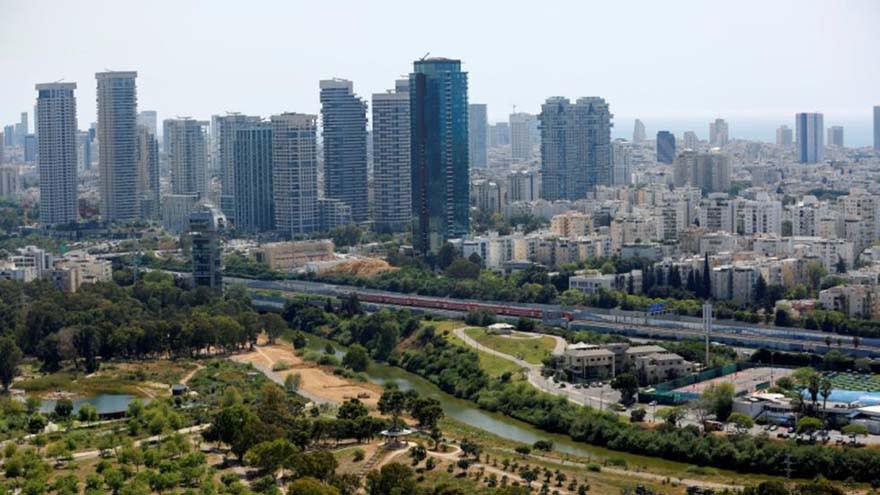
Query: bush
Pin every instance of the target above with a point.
(358, 455)
(281, 366)
(545, 445)
(637, 415)
(594, 467)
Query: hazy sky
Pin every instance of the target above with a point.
(671, 63)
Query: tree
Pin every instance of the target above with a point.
(740, 422)
(718, 400)
(393, 402)
(672, 415)
(627, 385)
(292, 382)
(357, 358)
(10, 358)
(855, 430)
(310, 486)
(352, 409)
(840, 266)
(274, 325)
(760, 290)
(782, 318)
(825, 389)
(462, 269)
(816, 272)
(446, 255)
(393, 479)
(63, 408)
(87, 413)
(272, 455)
(529, 475)
(808, 425)
(427, 411)
(637, 415)
(808, 379)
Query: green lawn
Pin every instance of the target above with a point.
(494, 366)
(532, 350)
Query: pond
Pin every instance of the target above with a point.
(104, 403)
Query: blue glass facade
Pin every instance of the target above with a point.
(665, 147)
(439, 152)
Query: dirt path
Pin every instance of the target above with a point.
(186, 379)
(317, 384)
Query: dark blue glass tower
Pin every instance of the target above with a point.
(439, 151)
(665, 147)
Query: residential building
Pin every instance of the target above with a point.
(718, 213)
(499, 134)
(148, 173)
(621, 163)
(252, 176)
(392, 182)
(708, 171)
(809, 128)
(575, 147)
(56, 115)
(9, 181)
(333, 214)
(571, 224)
(855, 301)
(877, 128)
(784, 136)
(835, 136)
(665, 147)
(762, 215)
(117, 153)
(295, 173)
(344, 116)
(149, 119)
(224, 130)
(524, 185)
(638, 132)
(690, 140)
(522, 131)
(175, 211)
(718, 135)
(439, 145)
(186, 146)
(205, 226)
(486, 196)
(478, 135)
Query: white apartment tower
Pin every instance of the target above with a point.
(522, 131)
(392, 196)
(187, 150)
(117, 135)
(56, 118)
(295, 173)
(718, 135)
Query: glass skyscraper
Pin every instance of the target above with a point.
(439, 150)
(252, 159)
(665, 147)
(809, 131)
(345, 146)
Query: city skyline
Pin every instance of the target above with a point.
(172, 85)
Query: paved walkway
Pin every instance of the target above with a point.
(582, 396)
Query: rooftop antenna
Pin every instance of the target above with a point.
(424, 56)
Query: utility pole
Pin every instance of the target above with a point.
(707, 327)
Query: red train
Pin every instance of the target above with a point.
(454, 305)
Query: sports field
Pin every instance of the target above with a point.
(854, 381)
(743, 381)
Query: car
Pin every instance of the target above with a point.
(774, 427)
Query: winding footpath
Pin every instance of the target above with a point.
(535, 378)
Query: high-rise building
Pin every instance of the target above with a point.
(708, 171)
(344, 116)
(835, 136)
(205, 225)
(56, 110)
(439, 152)
(117, 151)
(30, 148)
(224, 129)
(84, 150)
(295, 173)
(638, 132)
(186, 147)
(718, 135)
(392, 181)
(524, 185)
(478, 135)
(148, 173)
(575, 147)
(21, 129)
(877, 128)
(690, 140)
(621, 163)
(784, 136)
(252, 160)
(810, 129)
(665, 147)
(149, 119)
(499, 134)
(522, 130)
(9, 136)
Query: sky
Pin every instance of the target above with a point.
(675, 64)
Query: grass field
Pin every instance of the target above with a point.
(532, 350)
(145, 378)
(494, 366)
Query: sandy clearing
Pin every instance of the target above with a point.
(316, 380)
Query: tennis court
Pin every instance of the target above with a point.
(744, 381)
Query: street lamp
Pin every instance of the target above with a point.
(653, 405)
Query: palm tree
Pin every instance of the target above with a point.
(825, 389)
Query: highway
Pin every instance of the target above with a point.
(628, 323)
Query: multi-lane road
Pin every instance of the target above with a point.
(629, 323)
